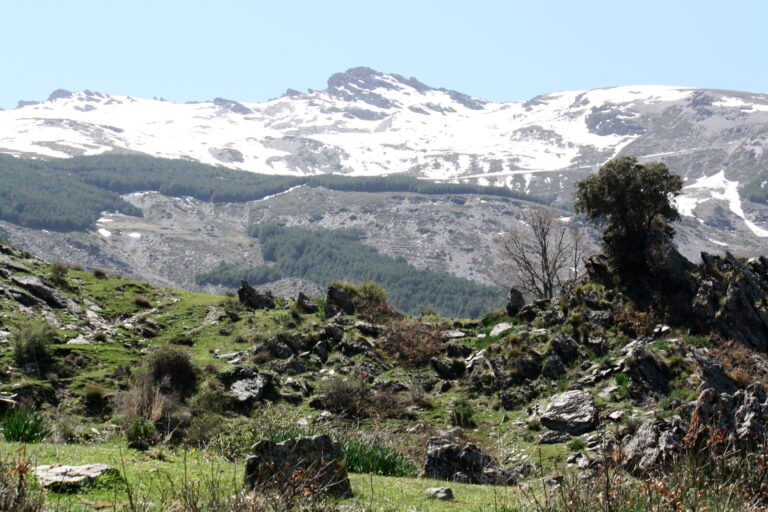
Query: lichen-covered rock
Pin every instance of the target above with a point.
(320, 459)
(654, 444)
(251, 390)
(63, 478)
(573, 412)
(467, 463)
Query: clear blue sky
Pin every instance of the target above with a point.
(254, 50)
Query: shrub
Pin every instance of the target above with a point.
(143, 399)
(31, 343)
(99, 273)
(576, 445)
(209, 399)
(142, 302)
(346, 396)
(412, 344)
(95, 399)
(172, 366)
(140, 432)
(25, 426)
(58, 273)
(203, 429)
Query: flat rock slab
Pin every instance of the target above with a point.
(500, 328)
(60, 477)
(573, 412)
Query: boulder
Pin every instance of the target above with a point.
(467, 463)
(305, 304)
(252, 298)
(439, 493)
(338, 300)
(368, 329)
(448, 369)
(319, 458)
(63, 478)
(566, 347)
(573, 412)
(554, 437)
(654, 445)
(515, 302)
(251, 390)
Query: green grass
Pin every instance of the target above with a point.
(151, 474)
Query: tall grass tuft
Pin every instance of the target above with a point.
(25, 426)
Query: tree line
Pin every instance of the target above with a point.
(68, 194)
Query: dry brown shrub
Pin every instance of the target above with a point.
(144, 400)
(412, 344)
(743, 365)
(632, 321)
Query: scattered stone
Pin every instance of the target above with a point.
(319, 457)
(440, 493)
(456, 349)
(573, 412)
(352, 347)
(252, 298)
(553, 437)
(63, 478)
(453, 334)
(501, 328)
(616, 416)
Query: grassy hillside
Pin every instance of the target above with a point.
(143, 378)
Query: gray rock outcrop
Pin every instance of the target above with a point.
(654, 444)
(252, 298)
(319, 458)
(338, 300)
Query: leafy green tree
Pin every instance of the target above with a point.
(635, 203)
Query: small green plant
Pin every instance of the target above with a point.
(576, 445)
(140, 432)
(374, 457)
(622, 386)
(25, 426)
(99, 273)
(534, 426)
(461, 414)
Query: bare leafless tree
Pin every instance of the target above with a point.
(541, 254)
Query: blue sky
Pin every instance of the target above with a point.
(254, 50)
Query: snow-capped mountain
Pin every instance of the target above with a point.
(370, 123)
